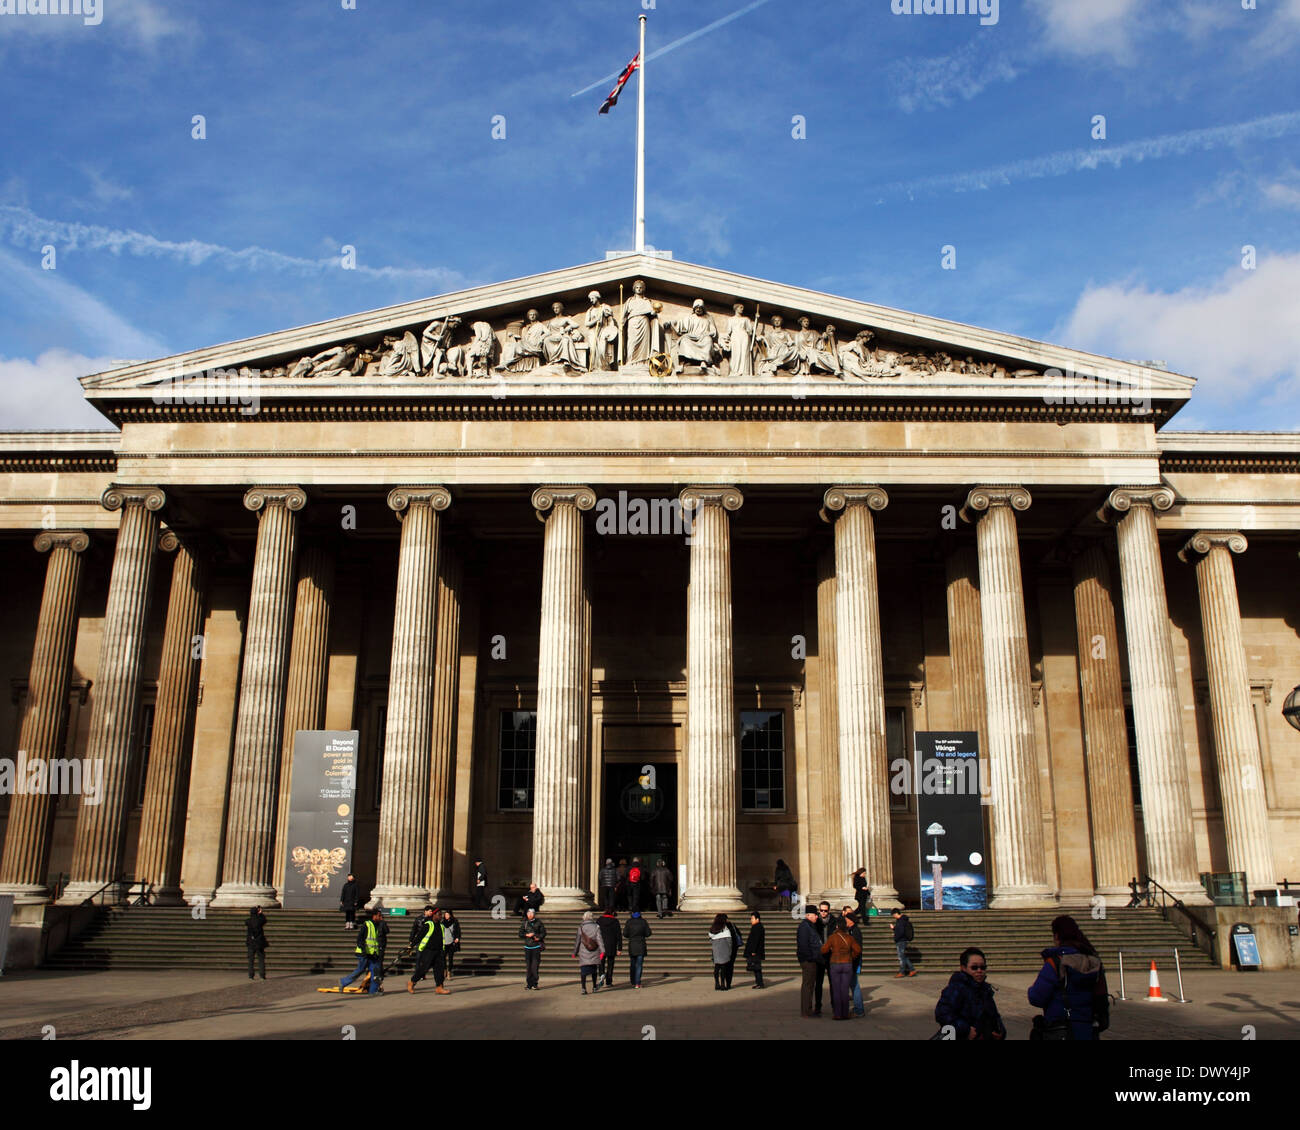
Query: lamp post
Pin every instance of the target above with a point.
(1291, 708)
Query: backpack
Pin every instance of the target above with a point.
(634, 876)
(908, 932)
(589, 943)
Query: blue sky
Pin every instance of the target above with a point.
(372, 127)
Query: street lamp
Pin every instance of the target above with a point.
(1291, 708)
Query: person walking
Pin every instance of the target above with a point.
(841, 951)
(756, 948)
(367, 953)
(349, 897)
(784, 884)
(588, 950)
(255, 941)
(450, 929)
(1070, 988)
(381, 929)
(722, 943)
(661, 886)
(862, 893)
(966, 1002)
(611, 937)
(855, 987)
(636, 932)
(903, 933)
(635, 874)
(620, 886)
(607, 881)
(533, 931)
(480, 886)
(429, 953)
(808, 949)
(531, 899)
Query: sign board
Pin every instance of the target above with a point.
(950, 820)
(322, 797)
(1243, 938)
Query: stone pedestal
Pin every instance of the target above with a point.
(1157, 709)
(162, 826)
(1110, 788)
(863, 752)
(27, 838)
(559, 794)
(247, 872)
(97, 851)
(712, 748)
(1020, 878)
(400, 878)
(1236, 741)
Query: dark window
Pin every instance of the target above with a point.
(1130, 732)
(762, 760)
(142, 755)
(896, 750)
(518, 752)
(377, 758)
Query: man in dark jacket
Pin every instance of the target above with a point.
(808, 948)
(533, 931)
(635, 876)
(531, 899)
(480, 886)
(826, 922)
(902, 935)
(429, 952)
(967, 1001)
(255, 941)
(612, 939)
(636, 931)
(661, 886)
(349, 897)
(607, 881)
(756, 948)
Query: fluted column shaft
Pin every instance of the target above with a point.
(1236, 740)
(711, 749)
(101, 827)
(304, 702)
(834, 884)
(442, 763)
(560, 836)
(27, 836)
(1110, 788)
(1157, 711)
(1021, 866)
(965, 639)
(162, 826)
(864, 769)
(404, 805)
(247, 873)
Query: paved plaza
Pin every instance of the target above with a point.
(223, 1006)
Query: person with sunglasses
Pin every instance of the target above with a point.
(967, 1001)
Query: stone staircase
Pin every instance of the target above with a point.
(314, 942)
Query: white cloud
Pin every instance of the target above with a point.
(923, 84)
(1090, 27)
(1283, 192)
(104, 189)
(45, 394)
(1239, 335)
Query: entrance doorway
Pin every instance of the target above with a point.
(640, 812)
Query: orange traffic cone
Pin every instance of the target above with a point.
(1153, 992)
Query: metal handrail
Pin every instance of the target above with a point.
(1167, 899)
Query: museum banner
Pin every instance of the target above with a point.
(318, 847)
(950, 820)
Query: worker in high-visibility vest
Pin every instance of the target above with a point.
(429, 951)
(367, 952)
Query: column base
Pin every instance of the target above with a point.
(394, 894)
(239, 895)
(1015, 898)
(884, 898)
(1119, 895)
(840, 896)
(1193, 894)
(1079, 897)
(567, 898)
(74, 894)
(168, 896)
(445, 896)
(26, 894)
(713, 900)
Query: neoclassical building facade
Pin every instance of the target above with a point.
(597, 564)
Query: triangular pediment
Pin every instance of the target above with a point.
(483, 342)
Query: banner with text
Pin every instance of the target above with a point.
(950, 820)
(318, 847)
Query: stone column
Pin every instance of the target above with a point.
(1021, 875)
(101, 827)
(827, 813)
(559, 828)
(162, 826)
(400, 877)
(860, 680)
(1110, 788)
(442, 763)
(1236, 740)
(27, 837)
(1157, 711)
(247, 871)
(965, 639)
(711, 743)
(304, 703)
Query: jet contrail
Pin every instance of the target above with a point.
(1078, 160)
(26, 229)
(677, 43)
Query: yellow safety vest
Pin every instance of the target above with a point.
(371, 941)
(430, 926)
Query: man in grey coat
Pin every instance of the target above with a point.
(661, 886)
(589, 949)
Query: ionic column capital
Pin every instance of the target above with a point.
(400, 498)
(1123, 499)
(987, 497)
(117, 496)
(544, 498)
(1201, 542)
(729, 498)
(292, 498)
(76, 540)
(841, 498)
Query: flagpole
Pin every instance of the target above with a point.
(640, 148)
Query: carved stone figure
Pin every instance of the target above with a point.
(641, 332)
(600, 332)
(403, 356)
(560, 340)
(434, 344)
(738, 342)
(813, 351)
(780, 347)
(478, 360)
(523, 350)
(857, 358)
(329, 362)
(697, 341)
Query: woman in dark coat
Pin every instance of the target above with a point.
(349, 898)
(862, 893)
(784, 884)
(1068, 984)
(723, 946)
